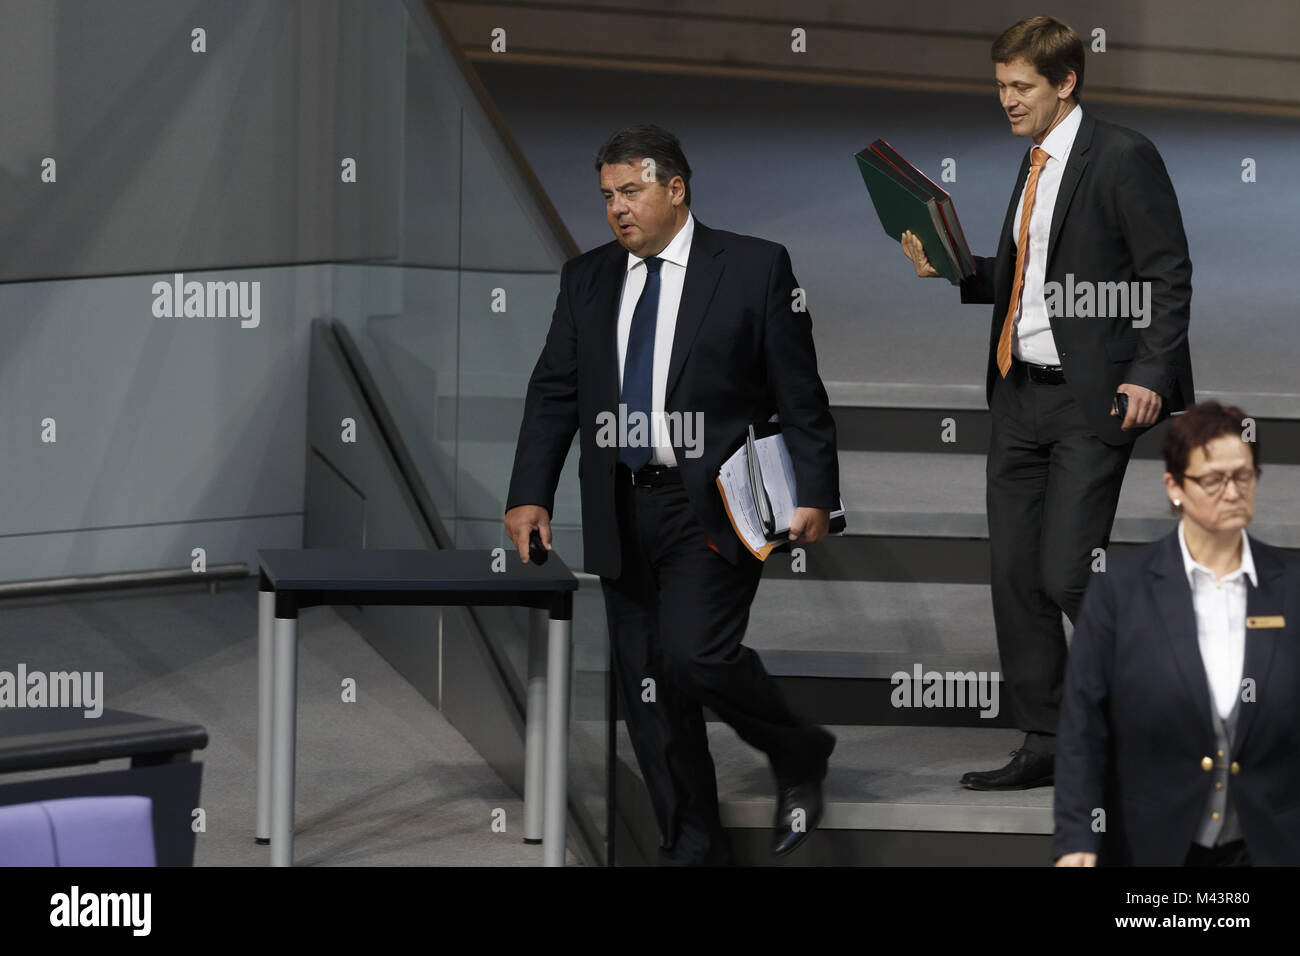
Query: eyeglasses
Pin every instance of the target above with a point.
(1213, 483)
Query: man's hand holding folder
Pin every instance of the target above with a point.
(916, 211)
(760, 496)
(806, 524)
(913, 249)
(809, 525)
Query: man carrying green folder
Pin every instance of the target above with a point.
(1068, 389)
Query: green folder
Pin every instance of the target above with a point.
(952, 227)
(903, 206)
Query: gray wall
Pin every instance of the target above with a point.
(171, 434)
(176, 433)
(224, 165)
(171, 159)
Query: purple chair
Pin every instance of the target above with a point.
(78, 831)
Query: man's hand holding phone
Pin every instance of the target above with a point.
(522, 521)
(1143, 406)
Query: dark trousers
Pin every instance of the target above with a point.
(1053, 486)
(1225, 854)
(677, 615)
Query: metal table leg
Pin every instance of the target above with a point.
(557, 740)
(535, 728)
(265, 622)
(284, 727)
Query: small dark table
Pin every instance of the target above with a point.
(292, 579)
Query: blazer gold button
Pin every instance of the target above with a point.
(1218, 785)
(1207, 763)
(1220, 753)
(1214, 816)
(1235, 768)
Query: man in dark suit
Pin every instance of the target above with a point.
(1180, 723)
(698, 330)
(1091, 294)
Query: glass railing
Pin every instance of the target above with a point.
(450, 326)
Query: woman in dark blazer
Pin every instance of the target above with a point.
(1180, 723)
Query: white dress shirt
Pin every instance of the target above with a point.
(672, 276)
(1033, 340)
(1220, 621)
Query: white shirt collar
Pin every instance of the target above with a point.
(1057, 143)
(1190, 565)
(677, 251)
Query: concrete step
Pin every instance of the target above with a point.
(891, 798)
(911, 417)
(937, 495)
(889, 623)
(834, 648)
(921, 517)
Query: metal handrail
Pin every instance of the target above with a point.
(77, 583)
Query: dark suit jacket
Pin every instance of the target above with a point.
(740, 353)
(1136, 724)
(1116, 219)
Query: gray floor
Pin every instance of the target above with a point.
(382, 781)
(775, 159)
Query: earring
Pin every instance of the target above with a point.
(1177, 503)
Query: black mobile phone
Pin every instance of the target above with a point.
(537, 553)
(1119, 404)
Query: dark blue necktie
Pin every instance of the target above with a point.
(639, 363)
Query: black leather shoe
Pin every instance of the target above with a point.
(1026, 770)
(792, 827)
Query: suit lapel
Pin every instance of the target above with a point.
(608, 287)
(1074, 168)
(703, 269)
(1173, 600)
(1267, 600)
(1004, 262)
(1007, 244)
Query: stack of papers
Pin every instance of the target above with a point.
(759, 494)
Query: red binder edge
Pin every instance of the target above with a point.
(937, 188)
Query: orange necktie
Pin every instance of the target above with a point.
(1037, 159)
